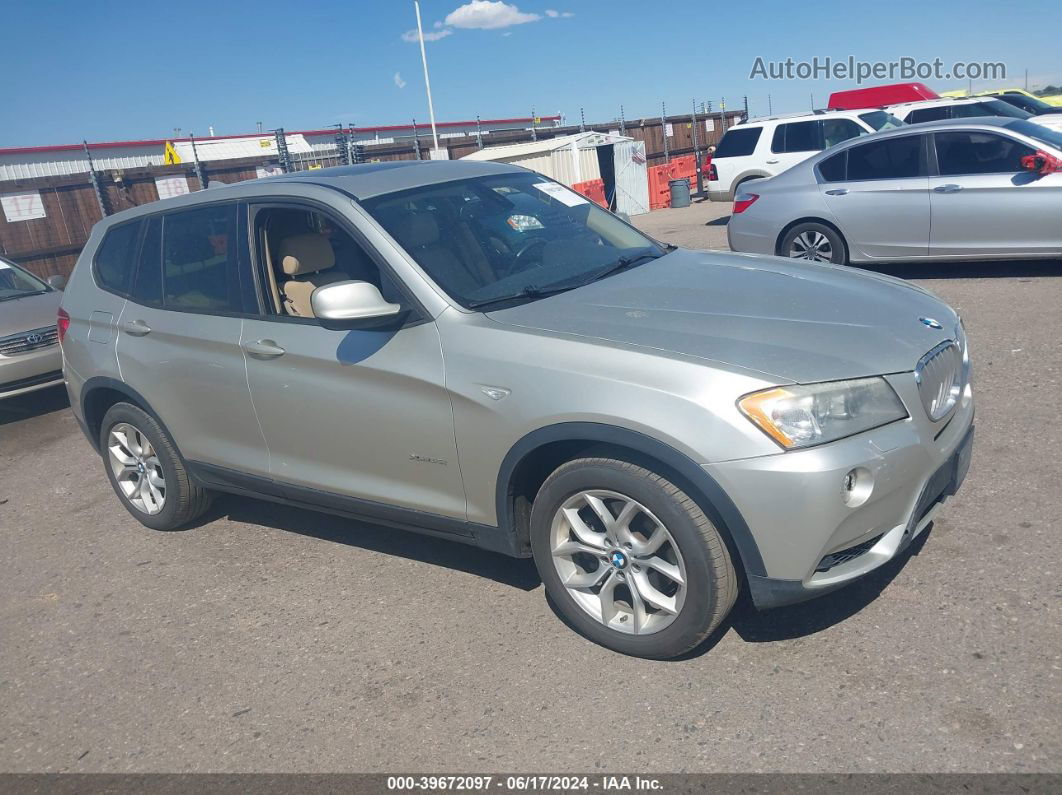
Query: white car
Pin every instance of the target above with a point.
(768, 146)
(967, 107)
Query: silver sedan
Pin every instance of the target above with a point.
(962, 189)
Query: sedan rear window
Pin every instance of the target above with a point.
(738, 142)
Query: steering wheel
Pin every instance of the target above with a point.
(524, 253)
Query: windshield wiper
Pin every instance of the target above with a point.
(22, 295)
(621, 265)
(530, 292)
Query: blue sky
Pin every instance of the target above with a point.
(122, 70)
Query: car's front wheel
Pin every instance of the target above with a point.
(629, 559)
(816, 242)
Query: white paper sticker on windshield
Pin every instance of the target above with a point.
(561, 194)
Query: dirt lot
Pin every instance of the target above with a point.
(272, 639)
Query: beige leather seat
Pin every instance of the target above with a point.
(305, 260)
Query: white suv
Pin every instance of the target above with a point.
(765, 147)
(966, 107)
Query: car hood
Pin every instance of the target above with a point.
(31, 312)
(793, 321)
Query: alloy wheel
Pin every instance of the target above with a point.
(136, 468)
(619, 563)
(811, 245)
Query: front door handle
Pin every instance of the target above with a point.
(138, 328)
(837, 192)
(951, 187)
(262, 349)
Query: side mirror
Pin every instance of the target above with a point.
(349, 305)
(56, 282)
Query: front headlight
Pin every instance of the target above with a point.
(804, 416)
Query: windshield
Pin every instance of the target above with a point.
(17, 283)
(1031, 104)
(880, 120)
(1037, 131)
(508, 238)
(990, 107)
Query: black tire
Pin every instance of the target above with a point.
(184, 501)
(712, 583)
(838, 247)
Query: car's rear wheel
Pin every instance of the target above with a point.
(629, 559)
(815, 242)
(146, 471)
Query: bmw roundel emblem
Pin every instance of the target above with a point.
(929, 322)
(618, 559)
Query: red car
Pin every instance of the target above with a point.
(876, 96)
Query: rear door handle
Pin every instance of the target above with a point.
(138, 328)
(262, 349)
(951, 187)
(837, 192)
(772, 162)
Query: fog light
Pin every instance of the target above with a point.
(856, 486)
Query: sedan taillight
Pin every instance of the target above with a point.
(62, 323)
(743, 201)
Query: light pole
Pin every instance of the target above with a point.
(427, 81)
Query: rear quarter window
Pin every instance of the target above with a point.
(115, 259)
(738, 142)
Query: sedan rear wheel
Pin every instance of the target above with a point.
(814, 242)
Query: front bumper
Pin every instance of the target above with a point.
(810, 540)
(31, 371)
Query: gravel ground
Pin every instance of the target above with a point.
(270, 639)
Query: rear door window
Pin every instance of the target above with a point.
(801, 136)
(978, 153)
(835, 131)
(919, 115)
(200, 261)
(116, 258)
(892, 158)
(738, 142)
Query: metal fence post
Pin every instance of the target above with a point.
(282, 150)
(95, 180)
(696, 147)
(663, 131)
(198, 166)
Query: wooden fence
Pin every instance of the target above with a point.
(50, 245)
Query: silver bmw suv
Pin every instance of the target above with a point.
(473, 351)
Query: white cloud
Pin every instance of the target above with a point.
(399, 81)
(411, 35)
(488, 15)
(438, 25)
(508, 33)
(554, 14)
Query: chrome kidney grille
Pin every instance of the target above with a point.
(939, 376)
(27, 341)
